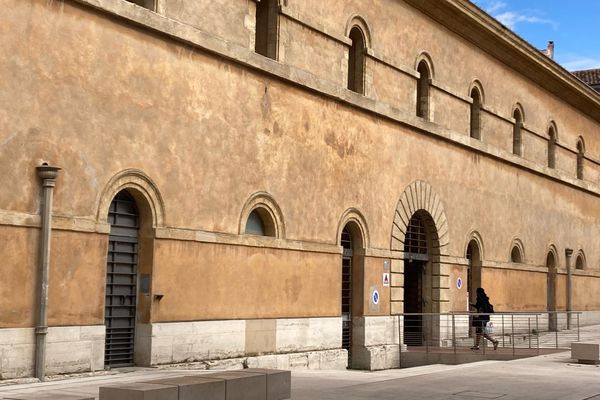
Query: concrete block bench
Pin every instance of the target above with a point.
(247, 384)
(139, 391)
(279, 382)
(242, 385)
(195, 387)
(586, 353)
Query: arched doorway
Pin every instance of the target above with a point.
(419, 245)
(551, 290)
(351, 283)
(473, 275)
(121, 281)
(474, 271)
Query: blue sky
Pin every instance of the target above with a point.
(573, 25)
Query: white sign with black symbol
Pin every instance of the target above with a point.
(386, 279)
(375, 297)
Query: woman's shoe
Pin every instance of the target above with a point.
(495, 345)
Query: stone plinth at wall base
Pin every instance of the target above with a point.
(69, 349)
(376, 357)
(336, 359)
(586, 353)
(187, 342)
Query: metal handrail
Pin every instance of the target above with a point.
(497, 313)
(516, 334)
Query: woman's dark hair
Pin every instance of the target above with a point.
(481, 293)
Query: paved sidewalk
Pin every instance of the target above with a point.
(545, 377)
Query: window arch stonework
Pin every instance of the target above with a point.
(477, 100)
(423, 89)
(142, 188)
(552, 140)
(519, 118)
(263, 205)
(580, 157)
(580, 260)
(517, 252)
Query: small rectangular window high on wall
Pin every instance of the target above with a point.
(267, 28)
(149, 4)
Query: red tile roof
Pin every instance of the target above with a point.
(589, 76)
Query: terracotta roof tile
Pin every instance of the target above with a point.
(589, 76)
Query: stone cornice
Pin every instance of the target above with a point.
(479, 28)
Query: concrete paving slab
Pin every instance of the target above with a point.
(50, 396)
(548, 377)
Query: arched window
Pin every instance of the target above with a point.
(149, 4)
(356, 61)
(260, 223)
(516, 252)
(267, 26)
(517, 136)
(580, 261)
(475, 129)
(423, 90)
(552, 147)
(580, 158)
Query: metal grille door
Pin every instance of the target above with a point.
(121, 281)
(347, 290)
(415, 258)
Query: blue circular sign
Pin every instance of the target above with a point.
(459, 283)
(375, 297)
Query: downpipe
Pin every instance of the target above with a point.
(47, 175)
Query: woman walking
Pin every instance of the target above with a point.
(479, 321)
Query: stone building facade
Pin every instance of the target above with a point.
(238, 178)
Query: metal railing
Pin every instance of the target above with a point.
(509, 336)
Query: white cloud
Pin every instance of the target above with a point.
(576, 63)
(495, 6)
(510, 18)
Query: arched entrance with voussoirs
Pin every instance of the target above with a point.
(420, 232)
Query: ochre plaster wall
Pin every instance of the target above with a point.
(511, 290)
(97, 96)
(206, 281)
(585, 293)
(458, 297)
(373, 280)
(232, 24)
(18, 285)
(77, 278)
